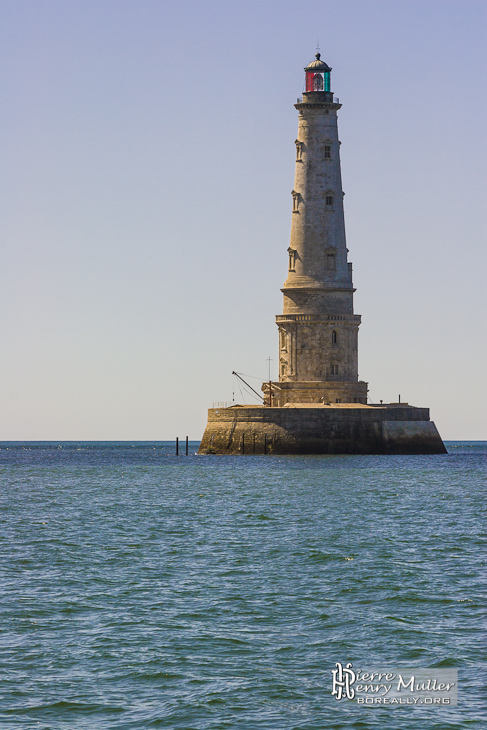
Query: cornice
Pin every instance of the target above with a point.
(317, 105)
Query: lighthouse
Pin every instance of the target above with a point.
(318, 405)
(318, 329)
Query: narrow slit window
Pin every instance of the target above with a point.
(327, 151)
(334, 337)
(329, 201)
(295, 201)
(292, 259)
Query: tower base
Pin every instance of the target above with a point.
(321, 429)
(323, 392)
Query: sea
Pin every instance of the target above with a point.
(140, 589)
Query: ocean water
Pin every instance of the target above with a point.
(144, 590)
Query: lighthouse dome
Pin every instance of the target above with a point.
(317, 65)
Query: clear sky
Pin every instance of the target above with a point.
(147, 160)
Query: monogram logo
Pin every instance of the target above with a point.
(342, 680)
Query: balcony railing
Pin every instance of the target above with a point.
(318, 317)
(336, 100)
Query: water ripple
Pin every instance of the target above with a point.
(141, 590)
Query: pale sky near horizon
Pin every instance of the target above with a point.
(147, 161)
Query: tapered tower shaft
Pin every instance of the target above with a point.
(318, 330)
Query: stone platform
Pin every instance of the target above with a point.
(342, 428)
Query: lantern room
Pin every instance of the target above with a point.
(317, 75)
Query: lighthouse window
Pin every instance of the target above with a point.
(334, 337)
(329, 201)
(331, 262)
(292, 259)
(334, 369)
(295, 201)
(327, 151)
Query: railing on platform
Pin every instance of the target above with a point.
(336, 100)
(222, 404)
(317, 317)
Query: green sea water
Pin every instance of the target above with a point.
(144, 590)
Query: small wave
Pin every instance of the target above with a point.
(401, 620)
(317, 556)
(447, 662)
(64, 707)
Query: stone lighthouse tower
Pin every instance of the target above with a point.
(318, 330)
(318, 405)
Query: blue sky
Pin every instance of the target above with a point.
(147, 160)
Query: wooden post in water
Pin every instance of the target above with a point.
(177, 445)
(253, 451)
(265, 444)
(243, 443)
(186, 445)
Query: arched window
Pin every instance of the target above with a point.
(331, 262)
(334, 337)
(318, 82)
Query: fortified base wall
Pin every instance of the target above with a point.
(308, 429)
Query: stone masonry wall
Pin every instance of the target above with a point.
(360, 430)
